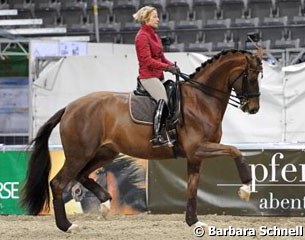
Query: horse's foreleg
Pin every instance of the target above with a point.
(243, 170)
(242, 167)
(245, 177)
(193, 172)
(206, 150)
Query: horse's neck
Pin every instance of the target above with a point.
(215, 101)
(217, 74)
(202, 106)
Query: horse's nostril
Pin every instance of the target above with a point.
(253, 111)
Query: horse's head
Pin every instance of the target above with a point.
(232, 69)
(246, 84)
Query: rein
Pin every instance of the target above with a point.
(242, 98)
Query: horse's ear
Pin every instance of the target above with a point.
(259, 53)
(249, 58)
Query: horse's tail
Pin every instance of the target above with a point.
(35, 193)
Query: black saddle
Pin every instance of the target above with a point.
(140, 90)
(173, 95)
(142, 106)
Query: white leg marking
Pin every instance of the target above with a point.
(244, 192)
(105, 208)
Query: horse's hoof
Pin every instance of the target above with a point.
(200, 229)
(204, 228)
(244, 193)
(200, 224)
(73, 228)
(105, 208)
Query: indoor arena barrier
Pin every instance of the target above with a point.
(278, 172)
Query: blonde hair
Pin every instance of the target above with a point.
(143, 14)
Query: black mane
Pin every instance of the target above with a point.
(216, 57)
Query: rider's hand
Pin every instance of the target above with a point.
(173, 69)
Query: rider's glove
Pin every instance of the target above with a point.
(173, 69)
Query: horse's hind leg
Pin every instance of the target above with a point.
(94, 187)
(67, 173)
(102, 195)
(103, 157)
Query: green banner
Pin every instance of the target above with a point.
(14, 66)
(12, 174)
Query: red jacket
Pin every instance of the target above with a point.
(152, 61)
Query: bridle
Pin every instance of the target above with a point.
(245, 95)
(239, 100)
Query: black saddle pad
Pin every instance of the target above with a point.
(141, 109)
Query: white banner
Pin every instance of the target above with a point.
(294, 102)
(115, 68)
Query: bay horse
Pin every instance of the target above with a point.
(98, 126)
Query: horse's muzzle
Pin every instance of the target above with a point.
(250, 111)
(253, 111)
(250, 107)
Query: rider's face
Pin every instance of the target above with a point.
(153, 20)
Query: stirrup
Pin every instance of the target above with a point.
(170, 143)
(158, 141)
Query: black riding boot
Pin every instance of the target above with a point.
(158, 139)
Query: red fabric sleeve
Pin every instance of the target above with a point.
(144, 54)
